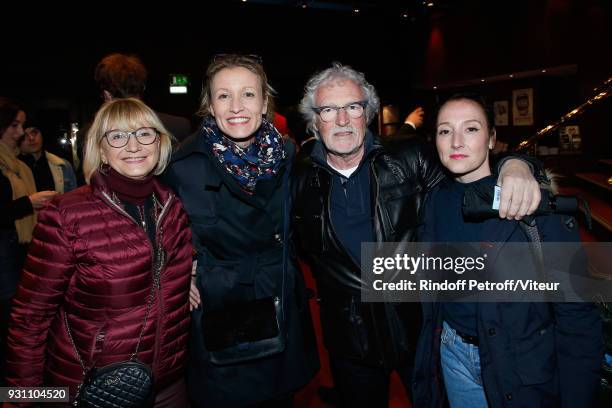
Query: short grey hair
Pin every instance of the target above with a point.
(335, 72)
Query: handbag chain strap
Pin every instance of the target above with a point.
(159, 259)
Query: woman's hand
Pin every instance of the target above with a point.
(39, 199)
(194, 293)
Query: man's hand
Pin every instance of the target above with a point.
(520, 192)
(415, 118)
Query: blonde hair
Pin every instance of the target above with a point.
(230, 61)
(128, 113)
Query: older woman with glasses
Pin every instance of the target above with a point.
(251, 341)
(107, 273)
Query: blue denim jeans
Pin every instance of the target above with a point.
(461, 371)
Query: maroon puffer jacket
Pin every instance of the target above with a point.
(90, 260)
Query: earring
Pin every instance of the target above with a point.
(103, 167)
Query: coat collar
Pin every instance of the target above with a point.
(195, 145)
(54, 160)
(99, 185)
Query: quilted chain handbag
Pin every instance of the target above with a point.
(125, 384)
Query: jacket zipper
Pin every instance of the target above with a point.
(160, 303)
(378, 211)
(156, 279)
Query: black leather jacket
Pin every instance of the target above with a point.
(377, 334)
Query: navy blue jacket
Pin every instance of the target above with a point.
(241, 247)
(532, 354)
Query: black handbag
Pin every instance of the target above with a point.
(243, 332)
(124, 384)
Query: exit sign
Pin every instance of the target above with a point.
(179, 83)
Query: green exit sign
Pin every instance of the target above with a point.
(179, 83)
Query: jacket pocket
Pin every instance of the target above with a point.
(202, 227)
(344, 329)
(218, 284)
(399, 205)
(535, 357)
(98, 344)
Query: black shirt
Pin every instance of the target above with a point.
(451, 227)
(351, 210)
(40, 170)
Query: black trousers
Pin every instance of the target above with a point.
(364, 386)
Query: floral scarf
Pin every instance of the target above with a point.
(259, 161)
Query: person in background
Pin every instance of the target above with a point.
(354, 189)
(108, 270)
(18, 204)
(496, 355)
(299, 132)
(50, 171)
(411, 126)
(233, 177)
(415, 118)
(125, 76)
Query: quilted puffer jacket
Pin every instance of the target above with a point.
(92, 261)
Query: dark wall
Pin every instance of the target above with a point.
(490, 38)
(486, 39)
(51, 66)
(56, 60)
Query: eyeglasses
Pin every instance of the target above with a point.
(120, 138)
(330, 113)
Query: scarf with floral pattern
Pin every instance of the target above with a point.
(259, 161)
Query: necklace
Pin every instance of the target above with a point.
(143, 220)
(141, 210)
